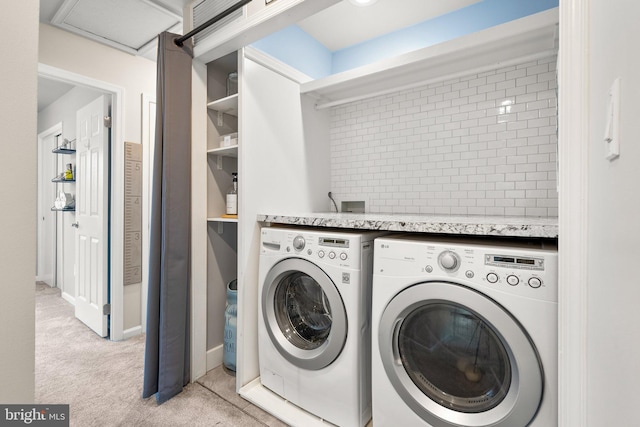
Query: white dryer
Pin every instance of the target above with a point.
(314, 324)
(464, 333)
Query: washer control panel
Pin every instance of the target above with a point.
(339, 249)
(509, 267)
(449, 261)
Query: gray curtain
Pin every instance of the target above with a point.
(167, 355)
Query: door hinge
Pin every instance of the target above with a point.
(106, 309)
(107, 122)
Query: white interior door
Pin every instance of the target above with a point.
(92, 234)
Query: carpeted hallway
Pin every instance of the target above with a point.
(101, 380)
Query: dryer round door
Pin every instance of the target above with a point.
(304, 313)
(458, 358)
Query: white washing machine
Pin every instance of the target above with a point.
(314, 324)
(464, 333)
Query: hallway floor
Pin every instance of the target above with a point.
(101, 380)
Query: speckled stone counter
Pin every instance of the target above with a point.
(454, 224)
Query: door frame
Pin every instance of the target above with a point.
(573, 115)
(148, 118)
(42, 181)
(116, 183)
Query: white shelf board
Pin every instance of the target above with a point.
(228, 105)
(527, 38)
(220, 219)
(231, 151)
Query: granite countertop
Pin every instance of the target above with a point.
(477, 225)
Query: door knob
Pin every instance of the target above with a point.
(75, 224)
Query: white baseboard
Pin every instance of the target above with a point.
(215, 357)
(71, 299)
(131, 332)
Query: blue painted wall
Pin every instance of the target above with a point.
(295, 47)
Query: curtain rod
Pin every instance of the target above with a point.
(180, 41)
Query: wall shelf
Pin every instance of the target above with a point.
(222, 219)
(67, 209)
(63, 151)
(231, 151)
(62, 180)
(503, 45)
(227, 105)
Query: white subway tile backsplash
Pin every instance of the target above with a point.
(482, 144)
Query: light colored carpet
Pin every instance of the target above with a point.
(101, 380)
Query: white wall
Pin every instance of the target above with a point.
(136, 75)
(18, 85)
(613, 216)
(64, 110)
(483, 144)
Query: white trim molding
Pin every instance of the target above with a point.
(117, 186)
(573, 110)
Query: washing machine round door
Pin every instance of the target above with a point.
(304, 313)
(458, 358)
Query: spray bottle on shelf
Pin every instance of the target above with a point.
(232, 197)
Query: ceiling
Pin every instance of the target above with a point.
(133, 25)
(346, 24)
(128, 25)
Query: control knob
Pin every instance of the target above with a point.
(298, 243)
(513, 280)
(535, 283)
(492, 277)
(449, 260)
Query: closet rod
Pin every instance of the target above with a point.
(180, 41)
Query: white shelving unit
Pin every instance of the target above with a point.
(222, 232)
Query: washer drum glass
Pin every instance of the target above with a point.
(454, 357)
(302, 311)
